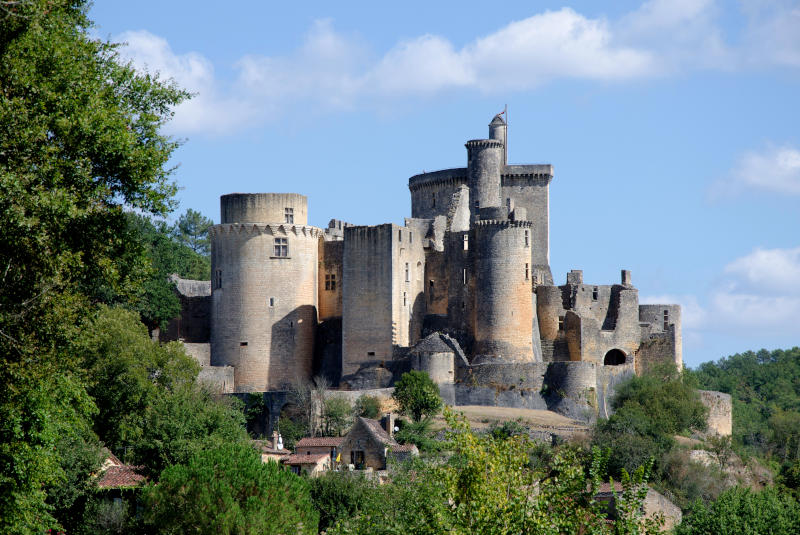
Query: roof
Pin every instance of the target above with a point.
(265, 446)
(497, 119)
(326, 442)
(433, 343)
(115, 477)
(191, 288)
(300, 458)
(403, 448)
(378, 433)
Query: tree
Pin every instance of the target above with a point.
(337, 413)
(227, 489)
(740, 510)
(340, 495)
(79, 139)
(191, 230)
(368, 407)
(417, 395)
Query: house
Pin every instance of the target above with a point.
(311, 464)
(313, 445)
(115, 476)
(271, 450)
(368, 445)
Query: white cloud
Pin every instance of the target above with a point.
(773, 270)
(758, 294)
(331, 70)
(775, 169)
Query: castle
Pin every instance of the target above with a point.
(463, 291)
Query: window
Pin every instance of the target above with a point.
(399, 235)
(410, 237)
(330, 282)
(405, 301)
(666, 320)
(408, 274)
(242, 344)
(282, 247)
(464, 275)
(466, 242)
(370, 353)
(527, 271)
(595, 292)
(271, 302)
(288, 215)
(218, 279)
(430, 289)
(561, 323)
(433, 197)
(527, 238)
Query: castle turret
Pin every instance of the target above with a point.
(484, 165)
(503, 297)
(264, 260)
(498, 129)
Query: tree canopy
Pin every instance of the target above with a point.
(417, 395)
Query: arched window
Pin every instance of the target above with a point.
(615, 357)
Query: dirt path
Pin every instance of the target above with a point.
(481, 417)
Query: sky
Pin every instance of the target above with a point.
(673, 127)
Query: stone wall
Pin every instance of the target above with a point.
(264, 305)
(503, 290)
(720, 412)
(219, 378)
(528, 187)
(662, 319)
(263, 208)
(199, 352)
(193, 324)
(431, 192)
(330, 279)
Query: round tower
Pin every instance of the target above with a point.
(498, 129)
(484, 165)
(503, 292)
(549, 304)
(264, 289)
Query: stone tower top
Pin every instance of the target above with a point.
(498, 129)
(289, 208)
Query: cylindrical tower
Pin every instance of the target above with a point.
(548, 305)
(264, 289)
(503, 291)
(498, 129)
(484, 165)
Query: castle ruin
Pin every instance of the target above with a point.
(463, 290)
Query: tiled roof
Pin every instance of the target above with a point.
(265, 446)
(378, 433)
(115, 477)
(332, 442)
(299, 458)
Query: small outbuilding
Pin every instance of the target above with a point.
(368, 445)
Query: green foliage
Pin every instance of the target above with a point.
(418, 433)
(227, 489)
(79, 138)
(291, 431)
(337, 415)
(741, 511)
(650, 409)
(417, 395)
(368, 407)
(507, 429)
(493, 486)
(191, 230)
(340, 495)
(765, 389)
(149, 403)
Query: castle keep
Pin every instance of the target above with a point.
(463, 290)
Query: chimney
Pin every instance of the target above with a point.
(387, 422)
(274, 440)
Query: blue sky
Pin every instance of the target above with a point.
(673, 126)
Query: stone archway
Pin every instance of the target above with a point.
(615, 357)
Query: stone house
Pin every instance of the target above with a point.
(368, 445)
(311, 464)
(315, 445)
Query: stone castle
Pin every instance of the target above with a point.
(463, 291)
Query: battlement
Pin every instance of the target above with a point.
(481, 143)
(264, 228)
(503, 223)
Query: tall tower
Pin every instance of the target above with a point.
(498, 129)
(504, 311)
(484, 166)
(264, 289)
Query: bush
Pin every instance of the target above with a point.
(368, 407)
(740, 510)
(229, 490)
(339, 495)
(417, 395)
